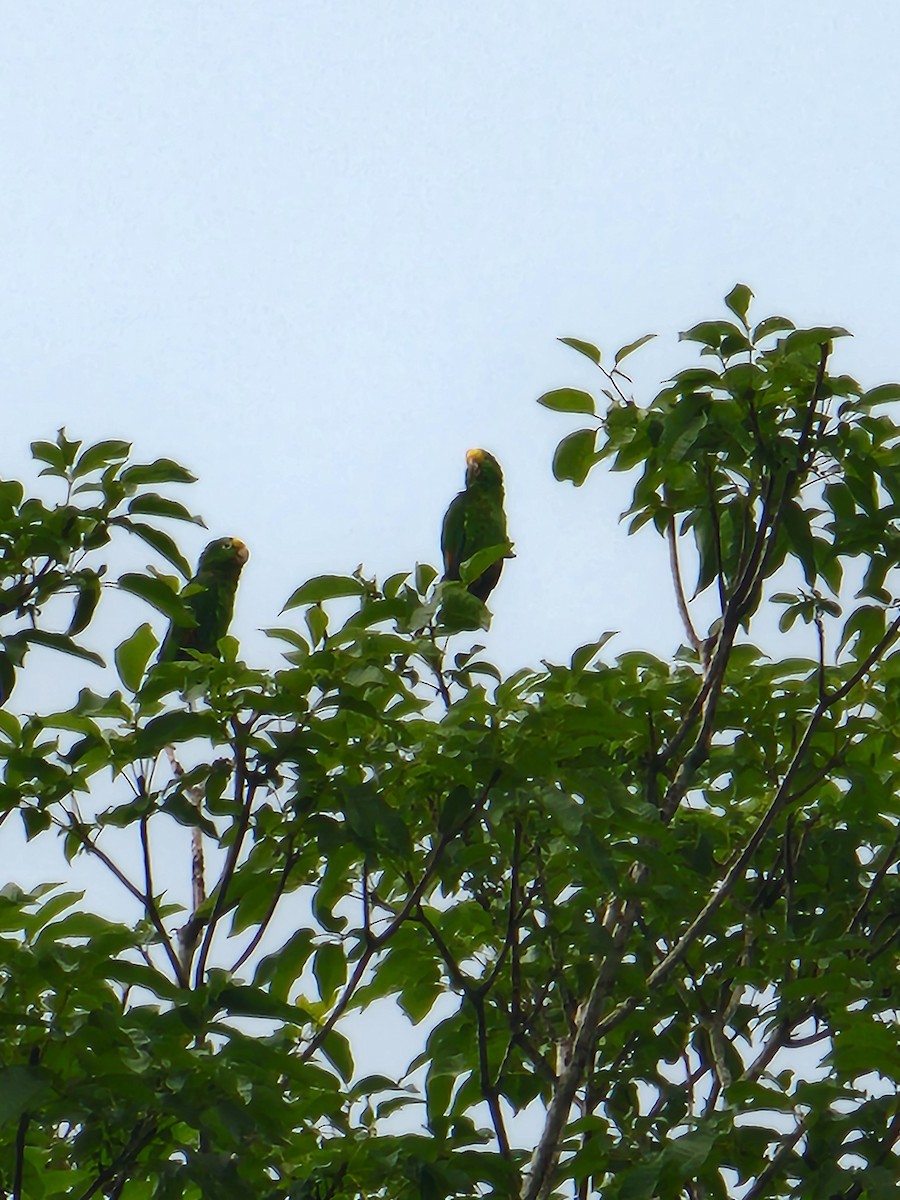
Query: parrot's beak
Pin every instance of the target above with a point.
(474, 459)
(242, 552)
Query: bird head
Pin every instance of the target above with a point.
(224, 554)
(482, 466)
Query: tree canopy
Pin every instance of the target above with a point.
(640, 913)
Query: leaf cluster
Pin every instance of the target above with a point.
(640, 912)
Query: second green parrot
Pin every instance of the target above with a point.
(476, 521)
(209, 597)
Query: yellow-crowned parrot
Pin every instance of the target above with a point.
(475, 521)
(209, 597)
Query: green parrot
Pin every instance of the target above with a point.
(475, 521)
(210, 598)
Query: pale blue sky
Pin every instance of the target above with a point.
(318, 250)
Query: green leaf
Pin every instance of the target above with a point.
(682, 427)
(21, 1088)
(797, 524)
(68, 449)
(151, 505)
(161, 542)
(35, 820)
(10, 727)
(11, 494)
(337, 1050)
(133, 654)
(714, 334)
(157, 593)
(586, 348)
(771, 325)
(868, 624)
(568, 400)
(51, 454)
(182, 725)
(475, 566)
(101, 454)
(885, 393)
(630, 348)
(295, 639)
(819, 335)
(282, 969)
(392, 585)
(325, 587)
(161, 470)
(330, 970)
(425, 577)
(89, 592)
(7, 677)
(60, 642)
(243, 1001)
(583, 656)
(317, 623)
(639, 1182)
(455, 809)
(575, 455)
(738, 300)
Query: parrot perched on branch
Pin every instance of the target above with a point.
(209, 597)
(476, 521)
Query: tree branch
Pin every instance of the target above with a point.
(591, 1027)
(412, 901)
(890, 857)
(141, 1136)
(75, 826)
(244, 794)
(680, 599)
(760, 1187)
(539, 1178)
(289, 864)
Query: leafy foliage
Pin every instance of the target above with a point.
(643, 911)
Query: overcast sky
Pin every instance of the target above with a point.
(316, 251)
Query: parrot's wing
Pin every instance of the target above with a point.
(453, 536)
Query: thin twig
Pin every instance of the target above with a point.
(717, 531)
(820, 635)
(437, 670)
(244, 794)
(680, 599)
(263, 925)
(34, 1057)
(146, 903)
(514, 913)
(877, 879)
(141, 1136)
(488, 1087)
(778, 1161)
